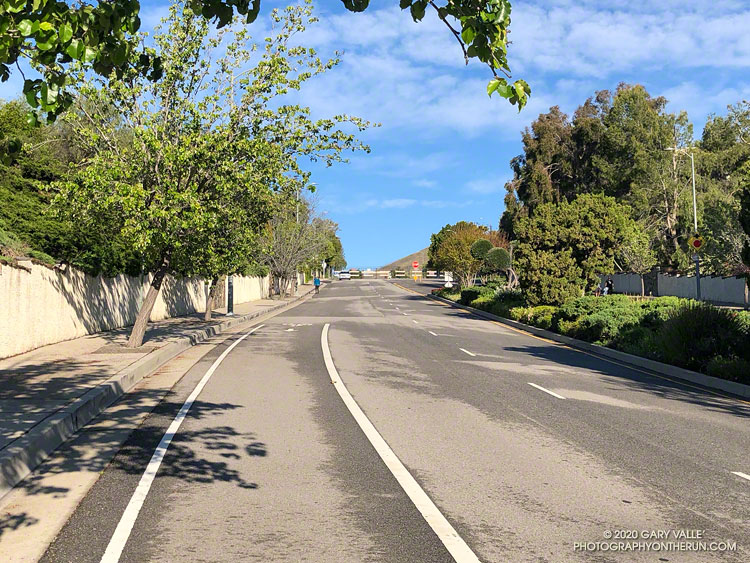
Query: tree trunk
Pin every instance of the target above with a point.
(210, 299)
(141, 321)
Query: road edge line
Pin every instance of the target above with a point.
(445, 532)
(125, 526)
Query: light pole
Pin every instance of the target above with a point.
(696, 258)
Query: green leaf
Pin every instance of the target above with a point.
(25, 28)
(65, 33)
(31, 119)
(31, 98)
(75, 49)
(89, 55)
(468, 35)
(46, 26)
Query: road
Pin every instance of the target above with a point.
(531, 451)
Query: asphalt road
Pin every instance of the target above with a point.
(531, 450)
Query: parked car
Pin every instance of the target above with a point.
(345, 276)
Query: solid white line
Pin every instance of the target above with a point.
(432, 333)
(743, 475)
(122, 532)
(545, 390)
(455, 545)
(467, 352)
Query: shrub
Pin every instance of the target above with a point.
(42, 257)
(541, 316)
(733, 369)
(696, 333)
(480, 248)
(519, 314)
(468, 295)
(658, 310)
(638, 340)
(498, 259)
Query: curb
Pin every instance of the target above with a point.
(26, 453)
(732, 387)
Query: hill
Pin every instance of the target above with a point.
(405, 262)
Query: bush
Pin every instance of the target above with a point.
(468, 295)
(42, 257)
(733, 369)
(638, 340)
(697, 333)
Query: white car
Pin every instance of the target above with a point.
(345, 276)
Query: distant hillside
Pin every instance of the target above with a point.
(405, 262)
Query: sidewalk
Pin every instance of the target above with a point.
(50, 392)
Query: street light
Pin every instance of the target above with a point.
(696, 258)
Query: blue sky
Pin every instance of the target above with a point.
(443, 150)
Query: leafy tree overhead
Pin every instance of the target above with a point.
(101, 35)
(183, 168)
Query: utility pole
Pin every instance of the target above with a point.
(696, 257)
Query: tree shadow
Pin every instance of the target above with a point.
(190, 458)
(636, 380)
(12, 522)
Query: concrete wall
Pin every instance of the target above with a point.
(625, 283)
(248, 289)
(730, 290)
(721, 290)
(45, 306)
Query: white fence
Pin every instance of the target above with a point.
(726, 290)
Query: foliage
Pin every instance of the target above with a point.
(697, 333)
(469, 294)
(480, 248)
(287, 242)
(450, 250)
(55, 36)
(626, 145)
(563, 247)
(185, 169)
(498, 259)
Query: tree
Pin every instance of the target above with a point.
(451, 251)
(181, 166)
(53, 35)
(564, 247)
(288, 241)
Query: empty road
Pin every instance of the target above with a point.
(461, 439)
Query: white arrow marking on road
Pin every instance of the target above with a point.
(467, 352)
(454, 543)
(122, 532)
(545, 390)
(743, 475)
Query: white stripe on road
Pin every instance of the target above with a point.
(545, 390)
(432, 333)
(122, 532)
(467, 352)
(455, 545)
(415, 322)
(743, 475)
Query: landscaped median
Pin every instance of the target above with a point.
(680, 332)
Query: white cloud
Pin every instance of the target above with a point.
(422, 183)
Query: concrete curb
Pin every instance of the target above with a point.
(26, 453)
(731, 387)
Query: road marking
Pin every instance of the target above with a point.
(546, 390)
(455, 545)
(743, 475)
(432, 333)
(415, 322)
(466, 351)
(405, 314)
(125, 526)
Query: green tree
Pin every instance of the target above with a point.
(52, 35)
(180, 166)
(451, 250)
(564, 247)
